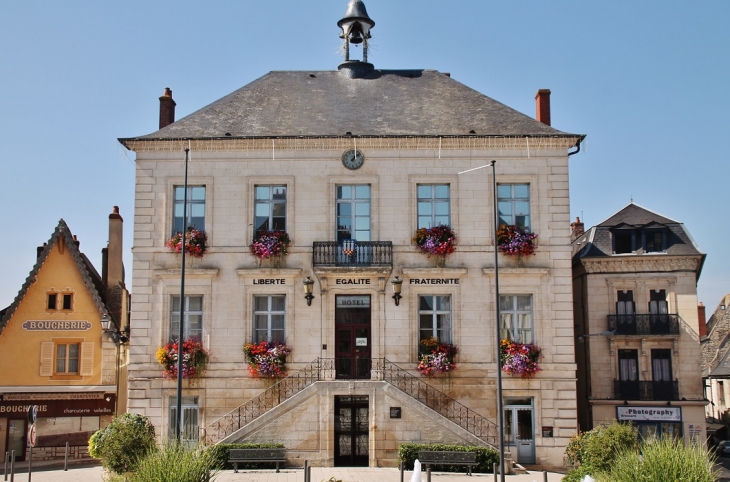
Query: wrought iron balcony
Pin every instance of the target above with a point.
(352, 254)
(645, 390)
(645, 324)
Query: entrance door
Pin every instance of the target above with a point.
(16, 438)
(519, 429)
(352, 337)
(351, 431)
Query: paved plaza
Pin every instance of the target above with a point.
(346, 474)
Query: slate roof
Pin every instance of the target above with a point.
(89, 275)
(329, 103)
(596, 242)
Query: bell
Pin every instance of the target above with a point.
(357, 21)
(356, 36)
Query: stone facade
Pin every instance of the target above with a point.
(637, 326)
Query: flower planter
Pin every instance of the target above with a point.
(519, 359)
(266, 359)
(196, 243)
(516, 242)
(195, 359)
(272, 247)
(437, 242)
(436, 358)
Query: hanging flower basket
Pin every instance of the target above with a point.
(439, 241)
(519, 359)
(271, 245)
(515, 241)
(195, 242)
(195, 359)
(436, 357)
(266, 359)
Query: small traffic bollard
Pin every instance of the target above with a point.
(5, 470)
(402, 466)
(65, 459)
(494, 469)
(12, 465)
(544, 476)
(30, 463)
(306, 466)
(428, 474)
(309, 474)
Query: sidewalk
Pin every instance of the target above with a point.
(346, 474)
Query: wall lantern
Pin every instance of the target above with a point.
(397, 285)
(308, 287)
(110, 329)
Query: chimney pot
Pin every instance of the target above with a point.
(39, 250)
(577, 229)
(167, 108)
(542, 100)
(702, 320)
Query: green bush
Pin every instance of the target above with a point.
(176, 462)
(596, 449)
(486, 456)
(123, 442)
(662, 460)
(220, 454)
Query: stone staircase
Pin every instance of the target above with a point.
(323, 369)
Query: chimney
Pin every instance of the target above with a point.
(115, 266)
(577, 229)
(39, 250)
(542, 99)
(167, 108)
(702, 320)
(77, 242)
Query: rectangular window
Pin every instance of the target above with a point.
(628, 365)
(270, 210)
(653, 242)
(189, 432)
(195, 208)
(623, 242)
(433, 205)
(353, 213)
(721, 393)
(434, 312)
(658, 302)
(68, 301)
(625, 303)
(193, 316)
(52, 301)
(514, 205)
(661, 365)
(269, 318)
(515, 313)
(67, 359)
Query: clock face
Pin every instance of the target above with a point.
(353, 159)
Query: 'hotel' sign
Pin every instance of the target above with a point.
(56, 325)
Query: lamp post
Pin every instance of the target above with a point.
(500, 402)
(181, 332)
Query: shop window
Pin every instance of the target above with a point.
(434, 312)
(515, 314)
(269, 318)
(190, 415)
(195, 211)
(433, 205)
(192, 315)
(270, 210)
(513, 201)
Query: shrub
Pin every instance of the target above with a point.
(662, 460)
(220, 453)
(123, 442)
(176, 462)
(596, 449)
(486, 456)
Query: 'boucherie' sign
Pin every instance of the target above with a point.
(61, 408)
(58, 325)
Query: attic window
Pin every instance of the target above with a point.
(623, 242)
(51, 302)
(653, 241)
(67, 301)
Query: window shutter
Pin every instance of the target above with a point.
(46, 364)
(87, 359)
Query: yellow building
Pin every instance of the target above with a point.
(55, 351)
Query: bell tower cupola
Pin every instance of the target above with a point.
(356, 26)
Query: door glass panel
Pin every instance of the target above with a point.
(508, 427)
(524, 425)
(16, 431)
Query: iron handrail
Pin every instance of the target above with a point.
(644, 324)
(352, 253)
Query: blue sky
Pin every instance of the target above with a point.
(646, 81)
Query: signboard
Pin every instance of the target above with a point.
(31, 436)
(352, 281)
(395, 412)
(353, 302)
(361, 342)
(547, 431)
(269, 281)
(649, 414)
(61, 408)
(32, 325)
(434, 281)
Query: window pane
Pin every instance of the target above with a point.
(179, 211)
(424, 222)
(362, 192)
(175, 304)
(441, 192)
(277, 303)
(260, 322)
(424, 191)
(279, 209)
(198, 193)
(196, 323)
(263, 192)
(522, 209)
(179, 193)
(262, 211)
(441, 209)
(524, 303)
(505, 209)
(277, 322)
(504, 191)
(362, 209)
(443, 303)
(260, 303)
(522, 191)
(442, 220)
(506, 303)
(198, 210)
(344, 192)
(195, 303)
(362, 224)
(426, 303)
(279, 193)
(362, 235)
(344, 209)
(426, 323)
(424, 209)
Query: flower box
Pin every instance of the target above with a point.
(266, 359)
(195, 359)
(519, 359)
(438, 241)
(435, 357)
(271, 245)
(515, 241)
(196, 242)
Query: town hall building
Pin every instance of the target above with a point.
(352, 164)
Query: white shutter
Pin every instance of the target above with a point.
(46, 363)
(87, 359)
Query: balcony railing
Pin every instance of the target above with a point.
(644, 324)
(352, 254)
(645, 390)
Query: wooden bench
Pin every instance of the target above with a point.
(237, 456)
(428, 458)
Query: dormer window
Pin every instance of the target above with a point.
(623, 241)
(653, 241)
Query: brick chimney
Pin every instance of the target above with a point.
(39, 250)
(542, 99)
(167, 108)
(577, 229)
(115, 266)
(702, 317)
